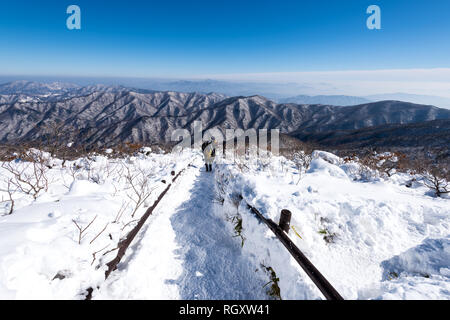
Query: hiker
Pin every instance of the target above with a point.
(209, 152)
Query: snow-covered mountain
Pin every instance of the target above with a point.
(343, 100)
(432, 134)
(115, 114)
(35, 88)
(30, 91)
(441, 102)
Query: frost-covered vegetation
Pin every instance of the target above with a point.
(375, 228)
(62, 220)
(356, 222)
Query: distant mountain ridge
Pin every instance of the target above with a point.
(30, 91)
(35, 88)
(429, 134)
(335, 100)
(442, 102)
(279, 92)
(106, 115)
(343, 100)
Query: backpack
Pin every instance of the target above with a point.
(205, 144)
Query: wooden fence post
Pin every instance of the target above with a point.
(285, 220)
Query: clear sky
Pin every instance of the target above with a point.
(195, 37)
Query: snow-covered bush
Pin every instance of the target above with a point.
(434, 174)
(345, 227)
(302, 161)
(436, 177)
(139, 187)
(29, 174)
(59, 242)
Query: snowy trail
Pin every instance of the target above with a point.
(185, 251)
(213, 265)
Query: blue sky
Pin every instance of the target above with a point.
(193, 38)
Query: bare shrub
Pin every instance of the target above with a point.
(240, 162)
(138, 183)
(74, 170)
(5, 155)
(436, 177)
(120, 212)
(61, 141)
(387, 163)
(390, 163)
(29, 173)
(302, 160)
(81, 230)
(94, 173)
(127, 148)
(98, 234)
(301, 155)
(94, 254)
(9, 191)
(54, 134)
(10, 152)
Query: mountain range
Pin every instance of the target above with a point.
(280, 92)
(106, 115)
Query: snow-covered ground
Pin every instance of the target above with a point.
(40, 241)
(372, 238)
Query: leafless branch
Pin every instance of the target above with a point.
(95, 253)
(139, 185)
(82, 230)
(120, 212)
(30, 175)
(10, 192)
(123, 228)
(98, 235)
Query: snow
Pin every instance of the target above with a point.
(40, 239)
(365, 223)
(369, 235)
(431, 257)
(206, 247)
(200, 258)
(83, 188)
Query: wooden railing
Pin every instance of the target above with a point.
(281, 230)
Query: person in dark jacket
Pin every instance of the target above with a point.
(209, 153)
